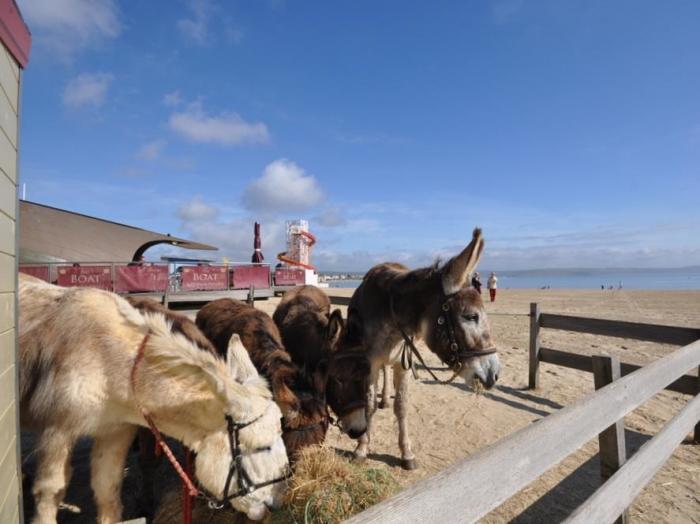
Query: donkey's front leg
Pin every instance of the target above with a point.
(401, 381)
(363, 442)
(53, 473)
(107, 472)
(385, 388)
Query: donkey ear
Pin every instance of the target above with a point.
(335, 328)
(238, 360)
(458, 269)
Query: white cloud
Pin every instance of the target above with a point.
(152, 150)
(66, 26)
(283, 187)
(227, 129)
(196, 28)
(196, 211)
(87, 89)
(331, 217)
(172, 99)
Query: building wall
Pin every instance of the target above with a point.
(9, 110)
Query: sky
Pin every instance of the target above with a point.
(568, 130)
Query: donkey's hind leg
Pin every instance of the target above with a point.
(386, 392)
(53, 473)
(107, 471)
(402, 378)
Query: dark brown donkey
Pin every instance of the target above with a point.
(393, 305)
(148, 460)
(305, 419)
(312, 336)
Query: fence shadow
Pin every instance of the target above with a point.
(563, 499)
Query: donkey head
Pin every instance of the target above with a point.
(456, 327)
(347, 370)
(257, 478)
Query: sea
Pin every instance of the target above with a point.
(661, 279)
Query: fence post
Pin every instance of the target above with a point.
(251, 295)
(696, 435)
(534, 375)
(611, 441)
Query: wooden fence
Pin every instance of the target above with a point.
(470, 489)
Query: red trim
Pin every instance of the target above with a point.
(14, 33)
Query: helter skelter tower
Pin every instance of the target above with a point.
(299, 244)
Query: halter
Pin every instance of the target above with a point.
(458, 356)
(243, 481)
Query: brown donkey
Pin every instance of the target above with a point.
(320, 343)
(393, 305)
(305, 419)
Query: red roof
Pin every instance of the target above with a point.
(14, 33)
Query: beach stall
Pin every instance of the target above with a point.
(15, 53)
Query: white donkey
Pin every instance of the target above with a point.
(92, 365)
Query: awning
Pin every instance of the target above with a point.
(49, 234)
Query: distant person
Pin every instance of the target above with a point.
(492, 284)
(476, 282)
(602, 286)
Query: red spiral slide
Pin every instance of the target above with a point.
(310, 240)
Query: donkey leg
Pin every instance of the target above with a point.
(147, 463)
(385, 388)
(53, 473)
(107, 472)
(363, 442)
(401, 381)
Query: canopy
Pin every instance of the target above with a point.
(49, 234)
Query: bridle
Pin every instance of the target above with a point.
(458, 354)
(244, 483)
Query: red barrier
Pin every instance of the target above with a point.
(41, 272)
(140, 278)
(203, 278)
(289, 277)
(242, 277)
(85, 276)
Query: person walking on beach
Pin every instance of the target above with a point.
(476, 282)
(492, 284)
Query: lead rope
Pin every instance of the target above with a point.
(189, 489)
(410, 348)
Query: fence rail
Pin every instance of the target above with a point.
(675, 335)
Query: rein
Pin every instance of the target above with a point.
(409, 349)
(244, 482)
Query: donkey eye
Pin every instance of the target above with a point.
(474, 317)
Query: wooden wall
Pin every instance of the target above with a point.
(9, 110)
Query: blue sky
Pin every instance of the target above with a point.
(568, 130)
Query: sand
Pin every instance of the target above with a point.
(449, 422)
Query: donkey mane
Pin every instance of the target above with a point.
(172, 353)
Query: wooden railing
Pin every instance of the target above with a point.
(470, 489)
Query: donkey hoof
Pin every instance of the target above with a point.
(358, 459)
(409, 464)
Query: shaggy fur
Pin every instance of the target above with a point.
(77, 350)
(418, 297)
(320, 344)
(304, 411)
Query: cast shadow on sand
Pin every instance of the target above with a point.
(508, 402)
(563, 499)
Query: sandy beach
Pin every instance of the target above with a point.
(449, 422)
